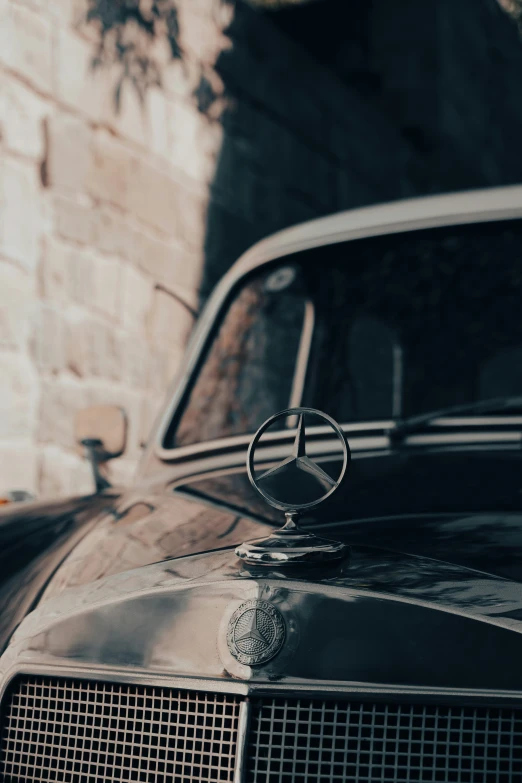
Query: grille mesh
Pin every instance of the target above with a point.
(72, 730)
(58, 730)
(305, 741)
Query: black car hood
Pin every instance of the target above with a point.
(143, 529)
(487, 541)
(382, 618)
(430, 601)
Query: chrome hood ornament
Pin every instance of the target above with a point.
(290, 544)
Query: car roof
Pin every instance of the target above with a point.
(471, 206)
(394, 217)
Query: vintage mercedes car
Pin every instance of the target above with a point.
(171, 631)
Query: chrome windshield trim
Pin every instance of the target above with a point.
(416, 214)
(367, 436)
(303, 356)
(234, 442)
(461, 438)
(477, 421)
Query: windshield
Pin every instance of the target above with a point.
(372, 329)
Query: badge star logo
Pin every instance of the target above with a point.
(299, 459)
(256, 632)
(253, 633)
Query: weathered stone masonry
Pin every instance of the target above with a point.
(101, 236)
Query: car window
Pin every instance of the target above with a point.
(417, 321)
(402, 324)
(248, 373)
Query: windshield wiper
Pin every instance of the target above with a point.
(404, 427)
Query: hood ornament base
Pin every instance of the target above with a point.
(291, 544)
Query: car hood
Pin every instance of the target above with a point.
(378, 618)
(140, 529)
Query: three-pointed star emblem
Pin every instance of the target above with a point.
(253, 632)
(299, 460)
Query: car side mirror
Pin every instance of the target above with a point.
(101, 435)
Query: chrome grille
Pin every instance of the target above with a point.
(55, 730)
(73, 730)
(305, 741)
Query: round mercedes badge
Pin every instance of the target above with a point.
(256, 632)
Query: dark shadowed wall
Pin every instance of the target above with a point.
(337, 104)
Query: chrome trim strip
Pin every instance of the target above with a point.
(303, 356)
(218, 446)
(478, 421)
(362, 442)
(360, 446)
(245, 710)
(128, 676)
(342, 690)
(398, 361)
(464, 437)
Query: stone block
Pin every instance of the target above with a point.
(159, 375)
(26, 44)
(80, 276)
(121, 177)
(113, 168)
(17, 302)
(136, 290)
(22, 114)
(18, 396)
(190, 213)
(200, 36)
(68, 153)
(74, 220)
(169, 263)
(63, 474)
(158, 122)
(180, 78)
(151, 408)
(18, 466)
(188, 130)
(21, 219)
(94, 348)
(107, 351)
(107, 274)
(155, 197)
(77, 84)
(164, 367)
(67, 12)
(136, 363)
(169, 323)
(60, 398)
(53, 269)
(111, 232)
(129, 119)
(48, 338)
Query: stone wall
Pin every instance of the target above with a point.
(299, 142)
(114, 226)
(108, 221)
(101, 237)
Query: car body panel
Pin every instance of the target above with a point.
(376, 617)
(35, 539)
(119, 585)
